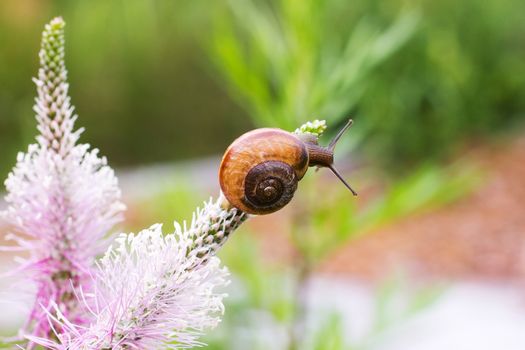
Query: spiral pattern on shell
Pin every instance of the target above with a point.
(260, 170)
(269, 186)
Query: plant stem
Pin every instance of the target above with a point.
(303, 276)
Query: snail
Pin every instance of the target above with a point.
(260, 170)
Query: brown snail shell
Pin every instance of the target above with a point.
(260, 170)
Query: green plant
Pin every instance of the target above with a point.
(418, 93)
(139, 65)
(331, 220)
(340, 219)
(286, 61)
(174, 199)
(461, 77)
(263, 303)
(396, 300)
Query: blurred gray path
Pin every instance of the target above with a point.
(140, 181)
(468, 316)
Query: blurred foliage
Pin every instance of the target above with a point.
(415, 92)
(139, 77)
(339, 218)
(176, 201)
(297, 59)
(330, 335)
(396, 301)
(462, 76)
(7, 345)
(136, 75)
(263, 301)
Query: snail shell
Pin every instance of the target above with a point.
(260, 170)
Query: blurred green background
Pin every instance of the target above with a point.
(420, 77)
(157, 82)
(138, 78)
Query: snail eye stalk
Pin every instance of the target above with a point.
(334, 141)
(331, 147)
(334, 170)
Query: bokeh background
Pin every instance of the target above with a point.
(431, 255)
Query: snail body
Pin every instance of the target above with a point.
(260, 170)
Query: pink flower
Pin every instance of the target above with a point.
(150, 289)
(156, 291)
(62, 197)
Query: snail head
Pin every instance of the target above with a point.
(320, 156)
